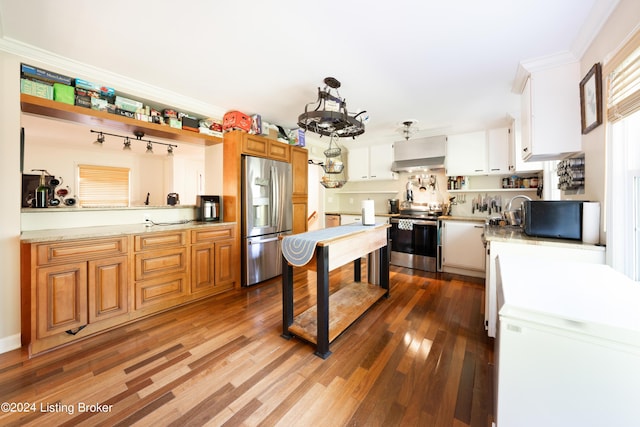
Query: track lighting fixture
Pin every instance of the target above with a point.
(127, 141)
(99, 140)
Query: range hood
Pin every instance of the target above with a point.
(419, 154)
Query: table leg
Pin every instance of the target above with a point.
(322, 279)
(357, 269)
(383, 258)
(287, 297)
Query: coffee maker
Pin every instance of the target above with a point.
(208, 208)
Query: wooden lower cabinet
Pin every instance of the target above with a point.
(212, 261)
(73, 289)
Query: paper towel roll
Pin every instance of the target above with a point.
(591, 222)
(368, 213)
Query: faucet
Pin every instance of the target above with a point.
(520, 196)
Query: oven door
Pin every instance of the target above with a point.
(425, 238)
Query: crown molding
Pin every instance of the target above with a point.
(525, 68)
(123, 84)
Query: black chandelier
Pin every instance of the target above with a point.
(330, 115)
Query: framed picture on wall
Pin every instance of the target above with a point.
(591, 99)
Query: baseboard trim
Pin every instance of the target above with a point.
(9, 343)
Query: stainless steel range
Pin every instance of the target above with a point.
(414, 237)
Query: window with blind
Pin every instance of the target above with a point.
(103, 186)
(623, 81)
(622, 195)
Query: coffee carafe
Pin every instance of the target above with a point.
(208, 208)
(394, 206)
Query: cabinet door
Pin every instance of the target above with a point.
(517, 164)
(299, 166)
(358, 162)
(202, 268)
(224, 271)
(467, 154)
(61, 298)
(499, 151)
(108, 288)
(380, 160)
(299, 215)
(462, 245)
(255, 146)
(526, 119)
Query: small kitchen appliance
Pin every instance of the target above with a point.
(208, 208)
(560, 219)
(173, 199)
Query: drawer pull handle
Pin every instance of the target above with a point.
(73, 332)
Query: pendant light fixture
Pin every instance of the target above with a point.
(408, 128)
(330, 117)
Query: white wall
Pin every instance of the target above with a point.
(10, 223)
(621, 24)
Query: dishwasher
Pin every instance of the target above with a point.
(331, 220)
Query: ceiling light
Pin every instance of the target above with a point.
(330, 115)
(99, 140)
(127, 141)
(408, 128)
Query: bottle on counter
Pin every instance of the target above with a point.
(42, 193)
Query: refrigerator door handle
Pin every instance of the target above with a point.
(254, 241)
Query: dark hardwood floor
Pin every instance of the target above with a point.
(419, 358)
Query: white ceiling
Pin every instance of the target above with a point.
(449, 64)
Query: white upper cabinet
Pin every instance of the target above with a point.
(550, 113)
(467, 154)
(371, 163)
(499, 141)
(479, 153)
(517, 164)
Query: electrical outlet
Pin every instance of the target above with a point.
(350, 200)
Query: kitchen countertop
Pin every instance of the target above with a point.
(511, 234)
(359, 213)
(462, 218)
(53, 235)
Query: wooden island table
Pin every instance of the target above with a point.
(332, 248)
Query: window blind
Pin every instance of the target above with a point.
(623, 81)
(103, 186)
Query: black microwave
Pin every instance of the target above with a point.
(561, 219)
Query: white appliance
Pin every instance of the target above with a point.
(568, 344)
(266, 216)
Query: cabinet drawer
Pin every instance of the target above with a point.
(161, 291)
(145, 242)
(209, 234)
(158, 263)
(80, 250)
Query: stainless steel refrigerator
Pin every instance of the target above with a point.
(266, 216)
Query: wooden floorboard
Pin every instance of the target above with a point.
(420, 358)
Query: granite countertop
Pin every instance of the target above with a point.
(462, 218)
(53, 235)
(360, 213)
(511, 234)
